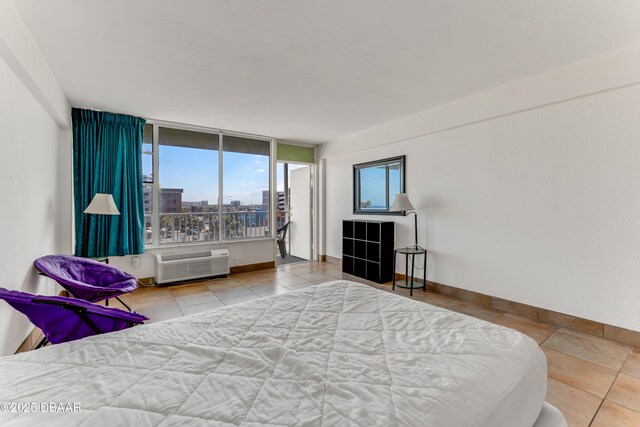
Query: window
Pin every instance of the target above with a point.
(207, 186)
(147, 180)
(188, 186)
(246, 179)
(375, 185)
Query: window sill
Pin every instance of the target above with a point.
(201, 244)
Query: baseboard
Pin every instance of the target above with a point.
(31, 341)
(591, 327)
(252, 267)
(331, 260)
(147, 281)
(151, 281)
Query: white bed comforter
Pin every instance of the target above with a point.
(340, 353)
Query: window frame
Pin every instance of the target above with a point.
(155, 214)
(149, 184)
(357, 210)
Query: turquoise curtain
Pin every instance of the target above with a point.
(107, 158)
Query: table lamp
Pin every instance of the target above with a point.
(101, 204)
(402, 204)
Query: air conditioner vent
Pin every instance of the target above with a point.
(185, 255)
(174, 267)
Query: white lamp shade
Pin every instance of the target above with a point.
(102, 204)
(401, 203)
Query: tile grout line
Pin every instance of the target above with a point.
(609, 390)
(547, 338)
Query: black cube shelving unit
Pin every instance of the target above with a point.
(367, 249)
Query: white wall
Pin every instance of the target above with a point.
(240, 253)
(34, 175)
(20, 52)
(29, 168)
(528, 192)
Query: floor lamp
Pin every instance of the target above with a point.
(402, 204)
(101, 204)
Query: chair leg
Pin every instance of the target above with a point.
(122, 302)
(44, 341)
(283, 249)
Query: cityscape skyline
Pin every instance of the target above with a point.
(148, 180)
(171, 202)
(245, 176)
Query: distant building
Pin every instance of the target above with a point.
(202, 206)
(147, 195)
(281, 200)
(265, 200)
(170, 200)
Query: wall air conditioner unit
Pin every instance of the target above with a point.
(177, 266)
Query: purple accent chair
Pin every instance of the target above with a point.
(63, 319)
(87, 279)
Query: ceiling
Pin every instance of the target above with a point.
(304, 70)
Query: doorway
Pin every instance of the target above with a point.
(295, 212)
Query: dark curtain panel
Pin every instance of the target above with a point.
(107, 158)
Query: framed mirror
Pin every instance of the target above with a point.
(376, 183)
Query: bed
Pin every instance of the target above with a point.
(340, 353)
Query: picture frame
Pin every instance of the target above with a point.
(375, 184)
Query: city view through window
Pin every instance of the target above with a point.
(189, 165)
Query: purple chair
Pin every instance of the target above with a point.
(87, 279)
(63, 319)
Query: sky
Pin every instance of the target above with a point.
(196, 172)
(244, 177)
(372, 186)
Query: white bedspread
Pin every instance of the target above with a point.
(340, 353)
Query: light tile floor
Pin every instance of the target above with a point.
(593, 381)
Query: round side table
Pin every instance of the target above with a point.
(410, 252)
